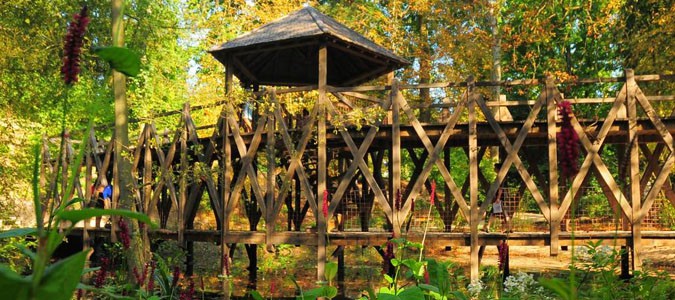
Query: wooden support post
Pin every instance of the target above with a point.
(634, 169)
(447, 204)
(225, 175)
(395, 160)
(271, 184)
(184, 170)
(340, 253)
(551, 114)
(321, 163)
(473, 181)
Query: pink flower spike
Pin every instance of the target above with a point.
(433, 193)
(73, 46)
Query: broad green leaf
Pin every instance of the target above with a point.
(558, 286)
(383, 296)
(17, 232)
(388, 279)
(121, 59)
(73, 201)
(324, 291)
(411, 293)
(256, 295)
(13, 285)
(61, 279)
(428, 287)
(86, 213)
(395, 262)
(331, 270)
(459, 295)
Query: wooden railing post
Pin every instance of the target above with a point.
(395, 160)
(634, 169)
(321, 164)
(473, 181)
(552, 129)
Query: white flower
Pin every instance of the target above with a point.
(475, 287)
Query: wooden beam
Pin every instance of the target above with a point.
(512, 156)
(634, 170)
(551, 131)
(592, 157)
(435, 154)
(395, 162)
(473, 185)
(321, 162)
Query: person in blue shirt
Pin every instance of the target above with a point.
(103, 196)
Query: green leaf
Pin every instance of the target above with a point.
(388, 279)
(558, 286)
(86, 213)
(17, 232)
(412, 293)
(121, 59)
(61, 279)
(459, 295)
(13, 285)
(331, 270)
(428, 287)
(256, 295)
(395, 262)
(73, 201)
(324, 291)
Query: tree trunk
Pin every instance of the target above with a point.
(139, 249)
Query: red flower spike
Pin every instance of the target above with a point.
(324, 208)
(426, 275)
(99, 279)
(73, 46)
(125, 238)
(568, 141)
(433, 193)
(151, 280)
(176, 276)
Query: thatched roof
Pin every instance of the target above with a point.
(285, 52)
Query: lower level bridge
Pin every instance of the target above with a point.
(341, 167)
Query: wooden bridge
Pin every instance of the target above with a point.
(279, 155)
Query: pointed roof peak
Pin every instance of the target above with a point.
(303, 30)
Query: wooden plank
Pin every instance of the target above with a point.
(246, 163)
(551, 131)
(653, 162)
(270, 188)
(592, 157)
(665, 170)
(296, 152)
(473, 186)
(363, 97)
(166, 169)
(433, 157)
(512, 156)
(182, 179)
(395, 162)
(321, 162)
(344, 100)
(359, 163)
(634, 171)
(205, 159)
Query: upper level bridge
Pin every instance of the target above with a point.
(329, 159)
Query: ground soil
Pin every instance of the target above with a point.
(363, 265)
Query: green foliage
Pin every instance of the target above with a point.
(120, 59)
